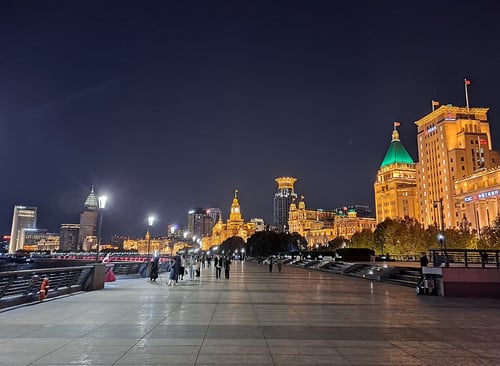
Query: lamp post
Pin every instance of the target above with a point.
(151, 220)
(100, 211)
(442, 239)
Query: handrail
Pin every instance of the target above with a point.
(488, 258)
(17, 287)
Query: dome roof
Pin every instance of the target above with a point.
(396, 153)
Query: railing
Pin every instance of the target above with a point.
(466, 257)
(19, 287)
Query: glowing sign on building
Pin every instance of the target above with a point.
(481, 196)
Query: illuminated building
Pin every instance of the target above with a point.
(396, 184)
(260, 225)
(348, 222)
(315, 225)
(477, 198)
(214, 213)
(235, 226)
(453, 143)
(68, 237)
(39, 240)
(88, 221)
(282, 201)
(23, 218)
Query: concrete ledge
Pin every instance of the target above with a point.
(471, 282)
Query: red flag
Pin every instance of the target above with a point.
(397, 124)
(435, 103)
(467, 82)
(483, 142)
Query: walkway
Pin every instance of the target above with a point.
(298, 317)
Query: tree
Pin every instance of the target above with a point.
(231, 245)
(363, 239)
(337, 243)
(265, 243)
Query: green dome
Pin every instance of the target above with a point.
(396, 154)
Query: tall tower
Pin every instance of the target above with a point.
(282, 200)
(235, 218)
(396, 184)
(23, 218)
(453, 142)
(88, 218)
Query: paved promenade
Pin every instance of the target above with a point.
(297, 317)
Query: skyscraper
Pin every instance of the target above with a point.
(453, 143)
(88, 218)
(396, 184)
(23, 218)
(282, 200)
(195, 221)
(68, 237)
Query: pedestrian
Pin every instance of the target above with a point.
(423, 261)
(227, 267)
(191, 268)
(279, 264)
(197, 267)
(153, 269)
(182, 269)
(484, 258)
(218, 266)
(177, 268)
(209, 260)
(171, 273)
(270, 264)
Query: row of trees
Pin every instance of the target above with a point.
(408, 237)
(396, 237)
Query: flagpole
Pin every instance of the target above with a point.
(432, 105)
(466, 95)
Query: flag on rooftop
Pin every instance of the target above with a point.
(467, 82)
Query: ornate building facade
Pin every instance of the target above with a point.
(235, 226)
(282, 201)
(396, 184)
(453, 143)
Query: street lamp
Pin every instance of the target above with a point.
(100, 211)
(442, 239)
(151, 220)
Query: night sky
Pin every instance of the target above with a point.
(165, 105)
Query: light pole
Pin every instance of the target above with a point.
(442, 239)
(100, 211)
(151, 219)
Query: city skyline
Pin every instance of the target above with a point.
(167, 107)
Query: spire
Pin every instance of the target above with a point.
(396, 153)
(91, 201)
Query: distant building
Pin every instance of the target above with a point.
(347, 223)
(396, 185)
(235, 226)
(68, 237)
(39, 240)
(453, 143)
(282, 201)
(260, 225)
(23, 218)
(195, 221)
(315, 225)
(88, 221)
(214, 213)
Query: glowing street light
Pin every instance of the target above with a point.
(151, 220)
(100, 211)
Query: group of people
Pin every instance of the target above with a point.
(191, 265)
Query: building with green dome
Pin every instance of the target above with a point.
(396, 184)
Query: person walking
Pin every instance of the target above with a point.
(153, 270)
(270, 264)
(218, 266)
(171, 273)
(227, 267)
(279, 264)
(424, 261)
(191, 268)
(182, 269)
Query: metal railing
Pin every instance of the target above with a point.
(466, 257)
(18, 287)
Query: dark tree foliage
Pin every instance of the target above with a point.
(266, 243)
(338, 242)
(231, 245)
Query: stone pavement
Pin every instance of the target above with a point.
(297, 317)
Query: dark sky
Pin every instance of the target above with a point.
(167, 105)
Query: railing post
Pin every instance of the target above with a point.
(466, 260)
